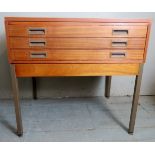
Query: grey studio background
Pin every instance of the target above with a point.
(77, 86)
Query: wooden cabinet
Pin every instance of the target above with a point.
(39, 47)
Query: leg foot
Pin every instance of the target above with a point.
(130, 133)
(19, 134)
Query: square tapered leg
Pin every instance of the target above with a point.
(135, 100)
(34, 87)
(16, 101)
(107, 86)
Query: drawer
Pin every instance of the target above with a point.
(78, 55)
(77, 43)
(72, 29)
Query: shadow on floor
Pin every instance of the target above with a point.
(109, 113)
(7, 124)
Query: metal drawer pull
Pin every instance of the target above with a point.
(119, 43)
(120, 32)
(38, 55)
(37, 31)
(37, 43)
(118, 55)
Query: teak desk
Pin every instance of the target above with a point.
(47, 47)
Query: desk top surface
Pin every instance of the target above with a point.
(105, 20)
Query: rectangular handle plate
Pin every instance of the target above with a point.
(38, 55)
(120, 32)
(118, 55)
(36, 31)
(119, 43)
(37, 43)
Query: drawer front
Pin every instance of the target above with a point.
(77, 43)
(78, 55)
(71, 29)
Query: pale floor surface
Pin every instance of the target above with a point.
(78, 119)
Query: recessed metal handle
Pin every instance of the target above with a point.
(38, 55)
(36, 31)
(119, 43)
(120, 32)
(37, 43)
(118, 54)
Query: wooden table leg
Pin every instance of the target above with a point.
(135, 100)
(34, 88)
(107, 86)
(16, 101)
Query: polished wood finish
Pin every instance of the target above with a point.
(73, 56)
(50, 35)
(47, 70)
(46, 47)
(43, 29)
(86, 20)
(77, 34)
(147, 40)
(77, 43)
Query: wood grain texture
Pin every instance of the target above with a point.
(80, 56)
(51, 47)
(69, 45)
(47, 70)
(76, 30)
(36, 19)
(147, 40)
(8, 41)
(77, 43)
